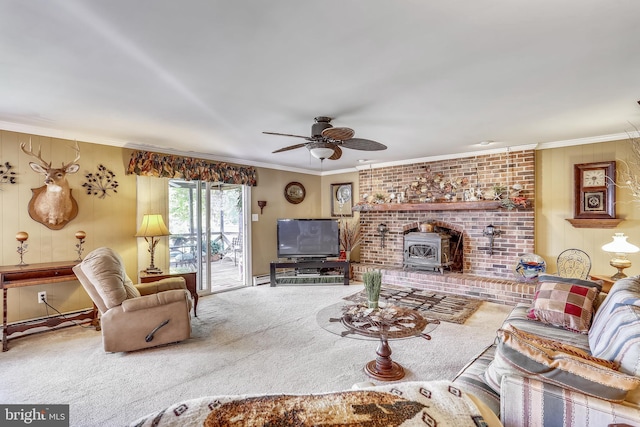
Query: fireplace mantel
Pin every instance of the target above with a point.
(434, 206)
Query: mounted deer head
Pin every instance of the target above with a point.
(52, 204)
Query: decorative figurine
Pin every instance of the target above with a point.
(22, 237)
(80, 235)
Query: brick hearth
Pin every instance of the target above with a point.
(498, 290)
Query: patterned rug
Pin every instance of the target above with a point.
(444, 307)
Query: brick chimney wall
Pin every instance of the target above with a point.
(517, 225)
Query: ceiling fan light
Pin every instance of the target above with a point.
(321, 152)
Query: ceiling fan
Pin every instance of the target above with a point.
(326, 141)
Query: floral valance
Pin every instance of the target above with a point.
(146, 163)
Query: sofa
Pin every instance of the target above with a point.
(570, 358)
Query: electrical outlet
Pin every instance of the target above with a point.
(42, 297)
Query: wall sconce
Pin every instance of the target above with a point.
(22, 237)
(152, 226)
(262, 204)
(620, 248)
(491, 232)
(382, 230)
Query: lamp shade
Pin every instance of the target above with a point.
(152, 225)
(620, 245)
(321, 152)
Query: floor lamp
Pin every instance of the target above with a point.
(152, 227)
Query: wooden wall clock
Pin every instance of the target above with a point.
(595, 190)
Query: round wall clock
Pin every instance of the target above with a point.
(294, 192)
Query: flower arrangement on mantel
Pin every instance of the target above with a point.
(435, 187)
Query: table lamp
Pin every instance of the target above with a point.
(620, 248)
(152, 226)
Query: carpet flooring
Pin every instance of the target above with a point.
(247, 341)
(444, 307)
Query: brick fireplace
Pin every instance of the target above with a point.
(468, 219)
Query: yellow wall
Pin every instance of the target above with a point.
(554, 203)
(107, 222)
(271, 184)
(113, 221)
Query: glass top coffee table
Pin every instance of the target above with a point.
(388, 322)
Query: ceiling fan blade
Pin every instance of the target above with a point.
(287, 134)
(338, 134)
(337, 153)
(363, 144)
(291, 147)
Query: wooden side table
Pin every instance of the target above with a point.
(189, 277)
(607, 281)
(18, 276)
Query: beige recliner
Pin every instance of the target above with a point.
(134, 317)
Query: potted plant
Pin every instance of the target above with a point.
(372, 284)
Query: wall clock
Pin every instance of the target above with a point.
(595, 190)
(294, 192)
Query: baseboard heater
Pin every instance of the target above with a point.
(263, 279)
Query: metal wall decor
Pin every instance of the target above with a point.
(7, 176)
(100, 183)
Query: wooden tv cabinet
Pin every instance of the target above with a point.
(319, 264)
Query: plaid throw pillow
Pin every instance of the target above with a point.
(564, 303)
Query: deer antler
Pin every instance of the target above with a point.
(77, 150)
(37, 156)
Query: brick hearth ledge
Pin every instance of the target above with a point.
(498, 290)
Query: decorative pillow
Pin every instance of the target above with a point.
(572, 280)
(564, 302)
(528, 355)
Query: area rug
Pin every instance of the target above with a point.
(444, 307)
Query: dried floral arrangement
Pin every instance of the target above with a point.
(350, 236)
(433, 186)
(101, 182)
(6, 174)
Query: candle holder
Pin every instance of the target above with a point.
(22, 237)
(80, 235)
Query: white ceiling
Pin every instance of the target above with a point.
(426, 78)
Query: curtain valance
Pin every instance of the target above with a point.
(146, 163)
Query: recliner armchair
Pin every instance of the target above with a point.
(134, 317)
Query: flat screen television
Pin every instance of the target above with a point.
(308, 238)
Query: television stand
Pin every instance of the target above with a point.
(310, 264)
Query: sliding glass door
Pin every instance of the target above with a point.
(208, 225)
